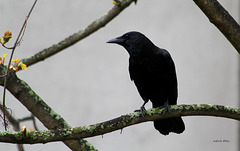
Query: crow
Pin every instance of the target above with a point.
(153, 72)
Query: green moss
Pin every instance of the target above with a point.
(89, 146)
(30, 93)
(128, 118)
(36, 98)
(195, 107)
(212, 106)
(156, 110)
(180, 107)
(228, 108)
(23, 82)
(215, 107)
(90, 129)
(68, 132)
(205, 106)
(187, 107)
(58, 118)
(34, 135)
(47, 134)
(111, 126)
(174, 107)
(93, 127)
(77, 130)
(54, 114)
(18, 135)
(237, 110)
(199, 106)
(132, 115)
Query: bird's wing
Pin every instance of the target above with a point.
(172, 77)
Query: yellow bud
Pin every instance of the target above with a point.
(115, 3)
(7, 36)
(1, 41)
(24, 128)
(23, 66)
(16, 60)
(4, 56)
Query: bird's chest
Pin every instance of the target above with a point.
(147, 71)
(147, 68)
(150, 78)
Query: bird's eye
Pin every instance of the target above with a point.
(126, 36)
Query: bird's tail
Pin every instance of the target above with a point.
(165, 126)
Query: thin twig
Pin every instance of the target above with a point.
(9, 63)
(7, 47)
(76, 37)
(43, 111)
(34, 122)
(15, 123)
(28, 118)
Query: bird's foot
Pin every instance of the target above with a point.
(166, 108)
(142, 110)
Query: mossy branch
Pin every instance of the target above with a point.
(118, 123)
(32, 101)
(76, 37)
(220, 17)
(22, 91)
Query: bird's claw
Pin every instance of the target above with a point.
(143, 110)
(166, 108)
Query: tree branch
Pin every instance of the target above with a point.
(76, 37)
(222, 20)
(33, 102)
(20, 89)
(119, 123)
(19, 37)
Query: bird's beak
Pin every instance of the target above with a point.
(117, 40)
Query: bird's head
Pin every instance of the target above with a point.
(127, 39)
(133, 42)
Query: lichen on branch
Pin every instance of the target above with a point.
(119, 123)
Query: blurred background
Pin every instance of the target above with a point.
(89, 82)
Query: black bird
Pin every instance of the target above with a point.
(153, 72)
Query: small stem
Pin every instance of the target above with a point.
(9, 63)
